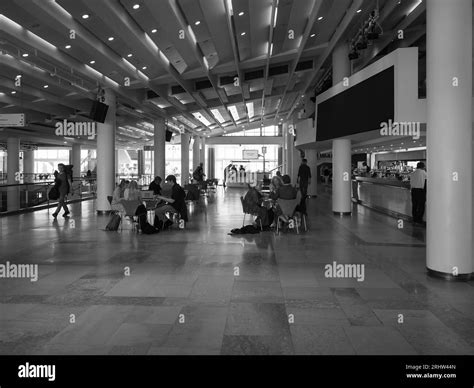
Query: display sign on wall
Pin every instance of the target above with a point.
(249, 154)
(12, 120)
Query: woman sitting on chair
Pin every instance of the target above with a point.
(253, 205)
(132, 198)
(175, 204)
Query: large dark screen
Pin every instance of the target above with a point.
(358, 109)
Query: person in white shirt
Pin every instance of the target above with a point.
(418, 193)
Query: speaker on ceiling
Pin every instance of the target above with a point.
(99, 111)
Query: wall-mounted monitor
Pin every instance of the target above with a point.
(360, 108)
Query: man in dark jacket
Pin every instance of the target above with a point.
(155, 186)
(304, 178)
(175, 204)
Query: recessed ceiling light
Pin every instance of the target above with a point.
(136, 6)
(243, 33)
(68, 46)
(153, 31)
(45, 86)
(320, 18)
(197, 23)
(359, 11)
(92, 62)
(111, 38)
(312, 35)
(24, 55)
(13, 92)
(85, 16)
(241, 13)
(144, 68)
(129, 55)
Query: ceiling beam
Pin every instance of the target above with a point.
(269, 54)
(16, 32)
(304, 38)
(379, 45)
(42, 108)
(235, 51)
(340, 30)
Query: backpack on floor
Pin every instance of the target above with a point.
(114, 223)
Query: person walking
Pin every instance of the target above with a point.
(418, 193)
(63, 183)
(304, 179)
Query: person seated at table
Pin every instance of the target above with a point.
(132, 198)
(118, 196)
(276, 183)
(286, 190)
(253, 201)
(155, 186)
(175, 204)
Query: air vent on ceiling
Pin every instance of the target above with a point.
(255, 74)
(304, 65)
(226, 80)
(205, 84)
(177, 89)
(151, 94)
(278, 70)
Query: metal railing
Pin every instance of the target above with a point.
(24, 196)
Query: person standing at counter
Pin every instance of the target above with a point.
(418, 193)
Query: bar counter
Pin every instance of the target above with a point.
(389, 196)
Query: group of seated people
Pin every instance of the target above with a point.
(280, 188)
(168, 198)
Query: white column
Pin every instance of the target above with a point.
(106, 154)
(341, 65)
(341, 176)
(184, 159)
(290, 150)
(196, 153)
(211, 162)
(28, 166)
(202, 155)
(13, 173)
(284, 155)
(160, 148)
(312, 157)
(76, 159)
(449, 138)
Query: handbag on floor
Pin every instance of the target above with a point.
(114, 223)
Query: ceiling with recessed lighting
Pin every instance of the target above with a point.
(206, 66)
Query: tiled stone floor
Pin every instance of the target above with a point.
(182, 295)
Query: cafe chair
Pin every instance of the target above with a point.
(130, 210)
(287, 207)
